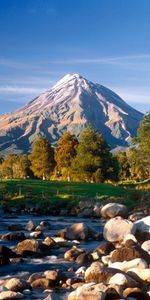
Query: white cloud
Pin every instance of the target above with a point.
(19, 90)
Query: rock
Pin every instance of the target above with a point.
(88, 292)
(104, 248)
(79, 231)
(116, 229)
(135, 293)
(49, 242)
(146, 246)
(18, 236)
(136, 216)
(93, 273)
(27, 246)
(129, 237)
(37, 235)
(7, 252)
(141, 229)
(73, 253)
(126, 265)
(44, 225)
(55, 276)
(35, 276)
(4, 260)
(144, 274)
(17, 260)
(30, 226)
(112, 210)
(129, 253)
(41, 283)
(84, 258)
(16, 285)
(15, 227)
(123, 279)
(8, 295)
(86, 204)
(81, 270)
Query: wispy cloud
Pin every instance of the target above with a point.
(20, 90)
(134, 94)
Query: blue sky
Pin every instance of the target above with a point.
(107, 41)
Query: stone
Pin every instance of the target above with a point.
(41, 283)
(86, 213)
(12, 236)
(146, 246)
(73, 253)
(16, 285)
(116, 229)
(129, 253)
(79, 231)
(49, 242)
(35, 276)
(8, 295)
(84, 258)
(144, 274)
(30, 226)
(27, 246)
(37, 235)
(88, 292)
(126, 265)
(112, 210)
(141, 229)
(129, 237)
(104, 248)
(123, 279)
(135, 293)
(93, 273)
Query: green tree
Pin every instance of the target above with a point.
(6, 168)
(42, 158)
(65, 153)
(139, 154)
(93, 161)
(21, 167)
(124, 172)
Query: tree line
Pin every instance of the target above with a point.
(88, 160)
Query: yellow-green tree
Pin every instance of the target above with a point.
(65, 153)
(42, 158)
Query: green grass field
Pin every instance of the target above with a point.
(20, 192)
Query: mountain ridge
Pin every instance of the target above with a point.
(71, 104)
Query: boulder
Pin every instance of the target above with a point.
(123, 279)
(27, 246)
(112, 210)
(88, 292)
(73, 253)
(135, 293)
(84, 258)
(144, 274)
(41, 283)
(8, 295)
(146, 246)
(12, 236)
(93, 273)
(16, 285)
(35, 276)
(49, 242)
(116, 229)
(79, 231)
(104, 248)
(129, 253)
(55, 276)
(30, 226)
(126, 265)
(37, 235)
(141, 229)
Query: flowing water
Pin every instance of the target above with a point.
(55, 260)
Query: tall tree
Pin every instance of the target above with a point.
(93, 161)
(142, 150)
(65, 153)
(42, 158)
(124, 172)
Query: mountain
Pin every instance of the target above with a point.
(71, 104)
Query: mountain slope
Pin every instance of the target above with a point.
(71, 104)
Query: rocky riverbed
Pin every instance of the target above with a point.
(103, 256)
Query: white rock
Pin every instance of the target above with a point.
(123, 280)
(142, 225)
(146, 246)
(126, 265)
(116, 229)
(112, 210)
(81, 270)
(143, 274)
(129, 237)
(10, 295)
